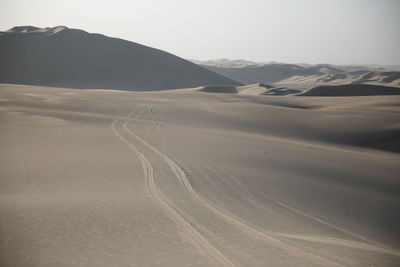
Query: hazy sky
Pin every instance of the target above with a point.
(311, 31)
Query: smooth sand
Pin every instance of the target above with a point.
(188, 178)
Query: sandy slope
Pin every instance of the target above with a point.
(391, 79)
(188, 178)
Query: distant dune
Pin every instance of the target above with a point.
(73, 58)
(302, 75)
(391, 78)
(324, 90)
(218, 89)
(251, 89)
(227, 63)
(240, 63)
(269, 73)
(351, 90)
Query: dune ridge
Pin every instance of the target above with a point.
(366, 77)
(351, 90)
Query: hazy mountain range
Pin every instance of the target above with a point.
(249, 72)
(239, 63)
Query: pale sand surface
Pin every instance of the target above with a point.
(189, 178)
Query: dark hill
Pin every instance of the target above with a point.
(73, 58)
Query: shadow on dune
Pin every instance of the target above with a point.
(351, 90)
(219, 89)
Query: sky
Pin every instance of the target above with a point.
(292, 31)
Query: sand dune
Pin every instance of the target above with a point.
(77, 59)
(351, 90)
(218, 89)
(365, 77)
(193, 178)
(269, 73)
(323, 68)
(251, 89)
(302, 76)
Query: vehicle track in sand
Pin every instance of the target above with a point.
(363, 242)
(198, 239)
(181, 176)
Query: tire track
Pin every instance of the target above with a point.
(369, 244)
(181, 176)
(182, 224)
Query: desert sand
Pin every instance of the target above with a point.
(193, 178)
